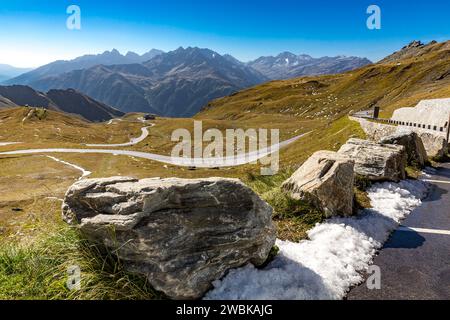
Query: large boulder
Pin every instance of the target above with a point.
(435, 143)
(326, 181)
(415, 150)
(375, 161)
(181, 234)
(436, 146)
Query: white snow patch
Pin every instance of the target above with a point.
(85, 173)
(327, 265)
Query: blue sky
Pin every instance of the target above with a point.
(34, 32)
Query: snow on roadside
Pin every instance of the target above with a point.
(331, 261)
(85, 173)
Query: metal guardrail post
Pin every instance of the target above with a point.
(376, 112)
(448, 129)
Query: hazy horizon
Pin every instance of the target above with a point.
(34, 34)
(123, 53)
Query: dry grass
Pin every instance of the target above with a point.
(44, 177)
(36, 247)
(388, 85)
(293, 218)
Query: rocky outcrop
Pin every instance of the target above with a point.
(436, 146)
(326, 181)
(375, 131)
(181, 234)
(435, 142)
(374, 161)
(415, 150)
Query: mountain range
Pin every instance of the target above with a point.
(62, 66)
(177, 83)
(8, 72)
(287, 65)
(416, 72)
(69, 101)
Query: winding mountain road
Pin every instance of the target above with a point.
(84, 172)
(7, 143)
(132, 142)
(213, 162)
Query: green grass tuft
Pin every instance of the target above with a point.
(292, 217)
(40, 271)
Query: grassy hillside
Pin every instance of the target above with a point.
(318, 105)
(36, 246)
(400, 81)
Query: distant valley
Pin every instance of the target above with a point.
(7, 72)
(177, 83)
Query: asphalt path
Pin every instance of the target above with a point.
(132, 142)
(236, 160)
(415, 261)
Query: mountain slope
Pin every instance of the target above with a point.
(87, 61)
(287, 65)
(22, 95)
(412, 50)
(6, 103)
(119, 86)
(177, 83)
(390, 84)
(185, 79)
(69, 101)
(320, 104)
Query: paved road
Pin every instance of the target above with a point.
(228, 161)
(132, 142)
(415, 262)
(7, 143)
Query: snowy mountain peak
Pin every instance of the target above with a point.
(288, 65)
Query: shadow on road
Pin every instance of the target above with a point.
(436, 193)
(405, 240)
(443, 171)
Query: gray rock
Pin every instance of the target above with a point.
(435, 143)
(326, 181)
(436, 146)
(375, 161)
(181, 234)
(376, 131)
(413, 144)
